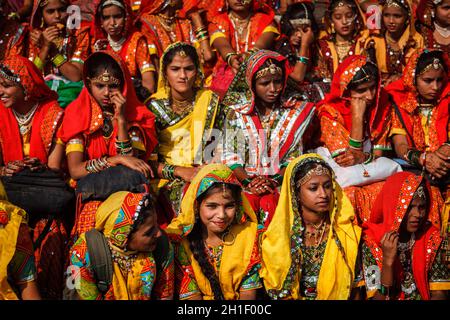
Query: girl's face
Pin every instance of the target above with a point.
(269, 87)
(217, 210)
(145, 237)
(394, 19)
(442, 14)
(239, 5)
(296, 36)
(431, 83)
(181, 74)
(113, 20)
(54, 13)
(10, 93)
(414, 218)
(366, 91)
(101, 90)
(316, 194)
(344, 20)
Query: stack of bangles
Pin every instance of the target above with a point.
(97, 165)
(369, 157)
(58, 60)
(355, 144)
(201, 33)
(124, 147)
(303, 60)
(229, 56)
(168, 172)
(278, 178)
(412, 156)
(38, 63)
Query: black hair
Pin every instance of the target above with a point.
(190, 51)
(333, 5)
(427, 57)
(297, 11)
(197, 244)
(99, 62)
(100, 8)
(360, 76)
(307, 167)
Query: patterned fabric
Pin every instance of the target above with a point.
(13, 39)
(22, 268)
(85, 219)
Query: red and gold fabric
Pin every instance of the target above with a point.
(388, 213)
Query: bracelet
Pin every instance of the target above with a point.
(355, 143)
(385, 291)
(38, 63)
(201, 28)
(424, 157)
(14, 15)
(228, 57)
(201, 33)
(97, 165)
(168, 172)
(369, 159)
(303, 60)
(246, 182)
(278, 178)
(412, 156)
(59, 60)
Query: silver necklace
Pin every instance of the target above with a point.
(444, 32)
(403, 246)
(24, 120)
(116, 45)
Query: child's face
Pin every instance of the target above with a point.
(54, 13)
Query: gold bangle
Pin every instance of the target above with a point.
(59, 60)
(38, 63)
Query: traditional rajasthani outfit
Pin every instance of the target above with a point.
(73, 46)
(87, 129)
(418, 267)
(136, 275)
(159, 33)
(236, 263)
(133, 48)
(260, 148)
(260, 21)
(16, 249)
(331, 54)
(36, 139)
(392, 61)
(336, 123)
(426, 128)
(427, 27)
(292, 270)
(181, 137)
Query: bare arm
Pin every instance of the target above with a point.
(247, 295)
(148, 81)
(55, 157)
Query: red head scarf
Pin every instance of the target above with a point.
(337, 99)
(99, 33)
(84, 116)
(404, 94)
(45, 120)
(36, 16)
(388, 212)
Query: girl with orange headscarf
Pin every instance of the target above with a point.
(31, 117)
(402, 252)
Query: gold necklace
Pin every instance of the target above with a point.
(182, 106)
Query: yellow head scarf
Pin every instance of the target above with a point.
(235, 257)
(11, 219)
(281, 263)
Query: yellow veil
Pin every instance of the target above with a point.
(337, 271)
(8, 241)
(235, 257)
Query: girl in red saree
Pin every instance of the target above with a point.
(420, 120)
(355, 120)
(106, 126)
(401, 246)
(244, 26)
(263, 132)
(30, 118)
(115, 31)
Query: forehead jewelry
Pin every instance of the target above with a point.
(182, 53)
(106, 77)
(436, 65)
(367, 77)
(113, 2)
(246, 2)
(319, 170)
(224, 190)
(9, 74)
(271, 69)
(420, 192)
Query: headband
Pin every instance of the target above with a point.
(436, 65)
(271, 69)
(113, 2)
(319, 170)
(105, 77)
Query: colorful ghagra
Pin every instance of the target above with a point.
(236, 263)
(142, 280)
(262, 151)
(37, 142)
(418, 268)
(287, 269)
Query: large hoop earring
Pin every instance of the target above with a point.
(224, 235)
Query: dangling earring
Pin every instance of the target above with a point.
(432, 14)
(25, 98)
(42, 22)
(332, 28)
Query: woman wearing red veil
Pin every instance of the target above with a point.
(105, 126)
(355, 121)
(30, 118)
(402, 250)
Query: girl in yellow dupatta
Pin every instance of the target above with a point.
(17, 268)
(310, 249)
(392, 48)
(128, 222)
(185, 114)
(216, 239)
